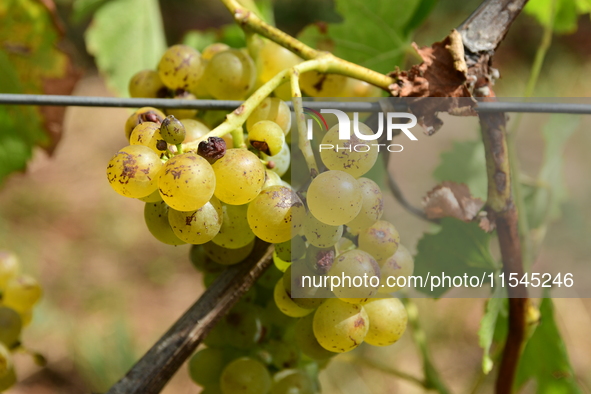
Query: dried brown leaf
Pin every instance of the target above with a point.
(450, 199)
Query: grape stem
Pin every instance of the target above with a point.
(298, 107)
(248, 19)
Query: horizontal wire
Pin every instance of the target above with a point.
(347, 106)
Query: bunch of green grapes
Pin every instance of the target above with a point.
(19, 295)
(227, 194)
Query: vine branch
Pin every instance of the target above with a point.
(151, 373)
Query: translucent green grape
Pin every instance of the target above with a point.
(22, 293)
(180, 67)
(284, 354)
(206, 366)
(133, 171)
(334, 197)
(319, 234)
(144, 114)
(194, 129)
(276, 215)
(199, 226)
(245, 376)
(280, 162)
(291, 250)
(357, 88)
(281, 265)
(210, 50)
(387, 321)
(353, 155)
(225, 256)
(273, 109)
(156, 217)
(235, 231)
(286, 304)
(372, 206)
(186, 182)
(173, 130)
(10, 326)
(355, 264)
(9, 267)
(401, 264)
(148, 134)
(340, 326)
(147, 84)
(271, 60)
(381, 240)
(230, 75)
(244, 327)
(240, 177)
(267, 137)
(306, 340)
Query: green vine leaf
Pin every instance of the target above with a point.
(464, 163)
(369, 35)
(566, 15)
(126, 36)
(458, 248)
(545, 358)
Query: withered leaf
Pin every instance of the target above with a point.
(450, 199)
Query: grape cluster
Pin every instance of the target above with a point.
(20, 293)
(223, 196)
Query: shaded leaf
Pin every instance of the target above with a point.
(458, 248)
(464, 163)
(544, 202)
(545, 358)
(373, 34)
(85, 8)
(126, 36)
(496, 309)
(450, 199)
(566, 13)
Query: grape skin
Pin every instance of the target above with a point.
(9, 268)
(387, 321)
(340, 158)
(334, 197)
(381, 240)
(22, 293)
(210, 50)
(186, 182)
(340, 326)
(304, 337)
(199, 226)
(144, 114)
(147, 134)
(280, 161)
(206, 366)
(230, 75)
(235, 232)
(245, 376)
(172, 130)
(276, 215)
(156, 218)
(240, 177)
(10, 326)
(401, 264)
(271, 60)
(146, 84)
(180, 67)
(355, 263)
(225, 256)
(267, 137)
(133, 171)
(194, 129)
(292, 382)
(372, 206)
(286, 304)
(319, 234)
(317, 84)
(273, 109)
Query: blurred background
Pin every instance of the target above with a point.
(111, 290)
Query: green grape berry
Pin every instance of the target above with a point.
(240, 177)
(148, 134)
(273, 109)
(340, 326)
(381, 240)
(10, 326)
(180, 67)
(267, 137)
(230, 75)
(147, 84)
(387, 321)
(400, 264)
(133, 171)
(334, 197)
(372, 206)
(22, 293)
(198, 226)
(172, 130)
(156, 217)
(206, 366)
(245, 376)
(226, 256)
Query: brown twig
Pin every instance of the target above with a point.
(159, 364)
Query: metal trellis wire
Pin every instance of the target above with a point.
(348, 106)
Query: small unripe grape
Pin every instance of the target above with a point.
(180, 67)
(226, 256)
(156, 218)
(172, 130)
(274, 109)
(245, 376)
(230, 75)
(199, 226)
(267, 137)
(10, 326)
(206, 366)
(194, 129)
(147, 84)
(286, 304)
(304, 337)
(340, 326)
(210, 50)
